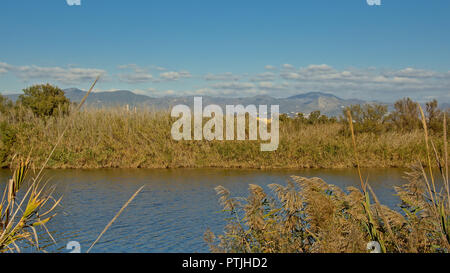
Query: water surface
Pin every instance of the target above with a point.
(174, 209)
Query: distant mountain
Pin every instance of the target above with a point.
(306, 103)
(100, 99)
(113, 98)
(313, 96)
(328, 104)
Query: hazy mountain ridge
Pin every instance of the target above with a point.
(328, 104)
(113, 98)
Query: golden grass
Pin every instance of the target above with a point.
(309, 215)
(21, 216)
(115, 138)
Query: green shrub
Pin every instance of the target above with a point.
(405, 117)
(368, 118)
(7, 139)
(5, 105)
(45, 100)
(435, 117)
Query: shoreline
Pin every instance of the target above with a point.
(227, 168)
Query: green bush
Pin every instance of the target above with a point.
(405, 117)
(315, 117)
(7, 139)
(368, 118)
(5, 105)
(435, 117)
(45, 100)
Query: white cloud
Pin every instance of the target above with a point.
(370, 82)
(271, 86)
(174, 76)
(4, 68)
(234, 85)
(266, 76)
(363, 83)
(227, 76)
(287, 66)
(64, 75)
(319, 67)
(414, 73)
(137, 75)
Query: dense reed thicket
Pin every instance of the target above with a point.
(116, 138)
(309, 215)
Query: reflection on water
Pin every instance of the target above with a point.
(174, 209)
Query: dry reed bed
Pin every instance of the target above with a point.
(309, 215)
(115, 138)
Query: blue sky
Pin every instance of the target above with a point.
(230, 48)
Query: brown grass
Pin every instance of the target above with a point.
(115, 138)
(309, 215)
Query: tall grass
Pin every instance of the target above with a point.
(309, 215)
(116, 138)
(22, 215)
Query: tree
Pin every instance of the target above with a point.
(367, 118)
(301, 118)
(406, 115)
(434, 115)
(314, 117)
(45, 100)
(283, 117)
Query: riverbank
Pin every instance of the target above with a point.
(115, 138)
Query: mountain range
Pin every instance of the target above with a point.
(328, 104)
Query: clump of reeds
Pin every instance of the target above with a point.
(114, 138)
(309, 215)
(25, 207)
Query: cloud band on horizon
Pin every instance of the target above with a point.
(277, 81)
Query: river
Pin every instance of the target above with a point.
(175, 208)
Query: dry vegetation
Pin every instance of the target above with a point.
(25, 208)
(115, 138)
(309, 215)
